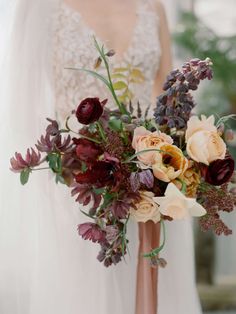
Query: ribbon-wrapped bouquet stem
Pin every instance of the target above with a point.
(120, 164)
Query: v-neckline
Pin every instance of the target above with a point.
(118, 57)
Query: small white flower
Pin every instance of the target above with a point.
(177, 206)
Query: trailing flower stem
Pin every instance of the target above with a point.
(157, 250)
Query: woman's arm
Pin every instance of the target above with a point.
(166, 54)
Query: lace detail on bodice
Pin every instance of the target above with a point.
(73, 47)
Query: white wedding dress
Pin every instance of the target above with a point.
(45, 267)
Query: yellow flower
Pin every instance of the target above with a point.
(175, 205)
(191, 177)
(147, 209)
(144, 139)
(170, 163)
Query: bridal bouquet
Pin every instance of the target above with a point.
(120, 164)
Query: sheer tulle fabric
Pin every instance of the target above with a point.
(45, 267)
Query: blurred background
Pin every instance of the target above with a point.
(203, 29)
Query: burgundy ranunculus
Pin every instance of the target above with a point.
(92, 232)
(89, 110)
(220, 171)
(100, 174)
(86, 150)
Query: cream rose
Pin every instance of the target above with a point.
(206, 146)
(147, 209)
(144, 139)
(196, 125)
(170, 163)
(175, 205)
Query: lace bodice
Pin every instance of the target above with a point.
(73, 47)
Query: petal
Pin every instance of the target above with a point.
(197, 147)
(195, 209)
(172, 191)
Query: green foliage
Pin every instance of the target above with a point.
(122, 78)
(116, 125)
(198, 40)
(24, 176)
(54, 161)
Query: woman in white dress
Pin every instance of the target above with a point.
(45, 267)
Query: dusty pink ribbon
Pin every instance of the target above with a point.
(147, 276)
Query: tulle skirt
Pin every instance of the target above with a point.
(47, 268)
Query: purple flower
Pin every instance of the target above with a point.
(92, 232)
(18, 163)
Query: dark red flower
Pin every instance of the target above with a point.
(86, 150)
(100, 174)
(92, 232)
(90, 110)
(220, 171)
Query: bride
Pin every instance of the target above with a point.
(45, 267)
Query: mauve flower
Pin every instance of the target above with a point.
(220, 171)
(86, 150)
(18, 163)
(92, 232)
(90, 110)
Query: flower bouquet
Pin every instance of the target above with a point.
(123, 165)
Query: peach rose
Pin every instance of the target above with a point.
(206, 146)
(147, 209)
(195, 125)
(144, 139)
(177, 206)
(170, 163)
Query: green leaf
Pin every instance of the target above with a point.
(99, 191)
(93, 73)
(115, 125)
(122, 69)
(54, 161)
(136, 74)
(24, 176)
(107, 198)
(118, 76)
(84, 167)
(60, 179)
(119, 85)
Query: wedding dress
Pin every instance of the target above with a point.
(45, 266)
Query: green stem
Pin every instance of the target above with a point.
(80, 135)
(145, 151)
(37, 169)
(103, 56)
(157, 250)
(101, 131)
